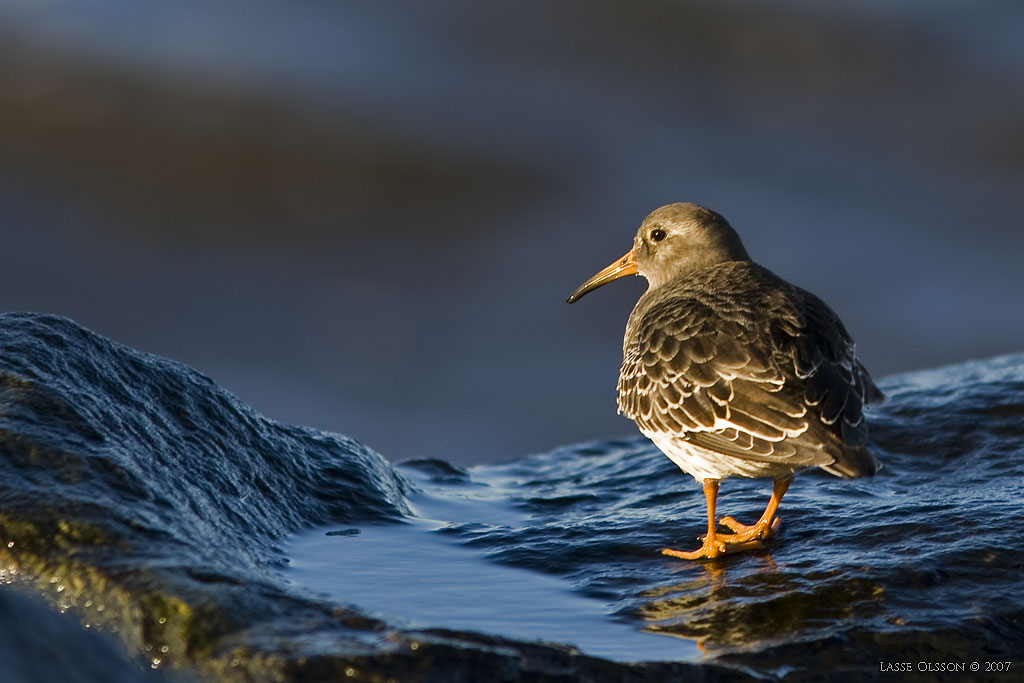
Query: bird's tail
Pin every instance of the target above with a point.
(853, 463)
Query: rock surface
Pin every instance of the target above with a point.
(141, 498)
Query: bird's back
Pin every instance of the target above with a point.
(736, 361)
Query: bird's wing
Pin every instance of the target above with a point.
(779, 385)
(836, 384)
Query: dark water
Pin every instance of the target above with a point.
(147, 503)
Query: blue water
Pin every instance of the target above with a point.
(417, 578)
(420, 576)
(146, 502)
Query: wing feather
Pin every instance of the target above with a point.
(772, 380)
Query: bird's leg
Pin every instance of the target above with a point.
(768, 523)
(713, 545)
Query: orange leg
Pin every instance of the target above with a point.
(713, 545)
(768, 523)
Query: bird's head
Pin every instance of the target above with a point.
(671, 241)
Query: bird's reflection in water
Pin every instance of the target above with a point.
(727, 606)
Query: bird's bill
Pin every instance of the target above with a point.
(624, 266)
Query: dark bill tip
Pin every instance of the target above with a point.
(622, 267)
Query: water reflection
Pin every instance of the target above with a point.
(759, 603)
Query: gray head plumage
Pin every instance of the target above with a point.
(680, 238)
(673, 240)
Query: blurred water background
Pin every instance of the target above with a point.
(366, 216)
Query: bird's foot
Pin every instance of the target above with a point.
(744, 533)
(716, 547)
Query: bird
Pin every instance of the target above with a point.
(732, 371)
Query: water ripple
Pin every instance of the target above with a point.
(144, 499)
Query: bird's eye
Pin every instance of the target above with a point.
(658, 235)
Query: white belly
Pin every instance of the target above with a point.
(702, 464)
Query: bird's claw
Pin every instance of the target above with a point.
(744, 532)
(716, 548)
